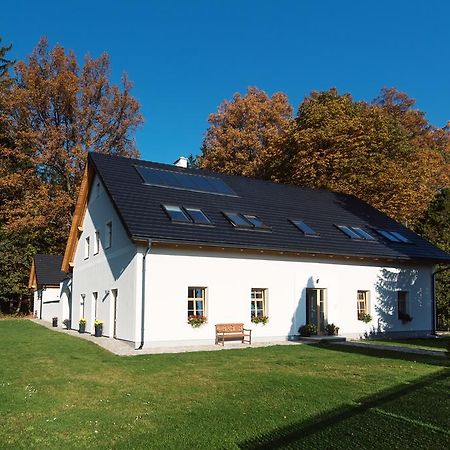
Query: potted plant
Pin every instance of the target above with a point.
(308, 330)
(98, 325)
(82, 325)
(66, 323)
(260, 319)
(196, 321)
(332, 329)
(366, 318)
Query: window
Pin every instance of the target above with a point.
(393, 236)
(356, 233)
(196, 301)
(256, 221)
(87, 244)
(94, 300)
(237, 220)
(108, 237)
(304, 228)
(246, 221)
(186, 215)
(97, 189)
(96, 242)
(402, 304)
(258, 303)
(176, 214)
(362, 304)
(198, 216)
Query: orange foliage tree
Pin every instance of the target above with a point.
(244, 133)
(52, 112)
(384, 152)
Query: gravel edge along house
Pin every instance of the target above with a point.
(155, 249)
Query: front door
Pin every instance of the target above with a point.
(316, 308)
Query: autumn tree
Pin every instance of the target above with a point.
(244, 134)
(435, 226)
(383, 152)
(52, 114)
(368, 151)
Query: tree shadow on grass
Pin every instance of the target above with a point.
(408, 415)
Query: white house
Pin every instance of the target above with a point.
(152, 245)
(51, 288)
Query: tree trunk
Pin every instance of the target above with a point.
(19, 304)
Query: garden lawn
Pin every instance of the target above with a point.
(58, 391)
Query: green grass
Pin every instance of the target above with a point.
(434, 344)
(57, 391)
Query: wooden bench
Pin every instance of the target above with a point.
(232, 331)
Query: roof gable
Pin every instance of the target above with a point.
(46, 271)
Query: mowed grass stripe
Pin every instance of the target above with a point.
(57, 390)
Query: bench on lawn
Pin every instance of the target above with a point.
(232, 331)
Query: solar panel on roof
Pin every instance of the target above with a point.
(186, 181)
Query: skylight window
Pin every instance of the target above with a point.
(198, 216)
(393, 236)
(356, 233)
(246, 221)
(304, 228)
(176, 214)
(238, 220)
(256, 221)
(363, 233)
(186, 215)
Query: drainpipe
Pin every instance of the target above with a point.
(40, 302)
(144, 259)
(433, 303)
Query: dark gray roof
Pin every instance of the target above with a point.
(139, 206)
(48, 269)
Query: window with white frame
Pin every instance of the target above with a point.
(108, 237)
(87, 245)
(258, 307)
(402, 304)
(96, 242)
(362, 304)
(196, 301)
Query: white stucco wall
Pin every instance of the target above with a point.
(229, 278)
(51, 304)
(111, 268)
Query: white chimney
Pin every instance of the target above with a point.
(181, 162)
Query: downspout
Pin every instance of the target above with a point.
(433, 303)
(40, 301)
(144, 259)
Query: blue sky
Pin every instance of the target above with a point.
(185, 57)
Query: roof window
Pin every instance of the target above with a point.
(176, 214)
(304, 228)
(186, 215)
(393, 236)
(356, 233)
(246, 221)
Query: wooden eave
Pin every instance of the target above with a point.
(350, 258)
(32, 280)
(78, 217)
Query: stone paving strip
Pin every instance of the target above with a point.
(123, 348)
(395, 348)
